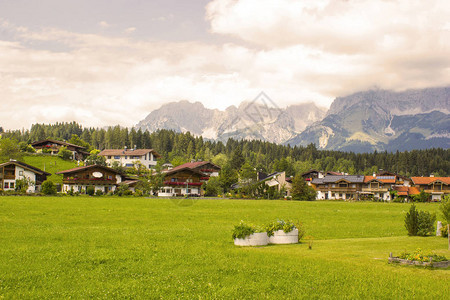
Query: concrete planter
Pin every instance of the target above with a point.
(441, 264)
(281, 237)
(255, 239)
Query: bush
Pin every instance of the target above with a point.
(98, 193)
(419, 223)
(444, 231)
(48, 188)
(64, 153)
(90, 190)
(445, 208)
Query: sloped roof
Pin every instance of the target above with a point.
(406, 190)
(383, 180)
(128, 152)
(429, 180)
(57, 142)
(349, 178)
(82, 168)
(192, 165)
(25, 166)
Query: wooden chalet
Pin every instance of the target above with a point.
(127, 157)
(187, 179)
(336, 187)
(15, 170)
(436, 186)
(101, 178)
(53, 147)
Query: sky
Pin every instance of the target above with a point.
(109, 62)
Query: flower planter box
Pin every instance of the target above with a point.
(440, 264)
(281, 237)
(255, 239)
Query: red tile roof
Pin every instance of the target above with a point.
(56, 142)
(406, 190)
(429, 180)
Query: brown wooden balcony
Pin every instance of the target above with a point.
(94, 181)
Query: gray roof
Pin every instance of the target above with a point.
(336, 178)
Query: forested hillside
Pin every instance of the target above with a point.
(178, 148)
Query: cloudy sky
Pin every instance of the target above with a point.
(108, 62)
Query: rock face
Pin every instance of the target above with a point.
(383, 120)
(363, 122)
(248, 121)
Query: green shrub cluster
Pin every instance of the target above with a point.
(243, 230)
(419, 223)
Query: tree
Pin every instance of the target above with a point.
(419, 223)
(9, 149)
(95, 159)
(227, 177)
(422, 197)
(64, 153)
(212, 187)
(23, 184)
(301, 191)
(237, 159)
(48, 188)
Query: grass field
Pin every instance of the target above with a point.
(108, 247)
(50, 164)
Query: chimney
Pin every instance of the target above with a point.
(134, 147)
(431, 175)
(374, 174)
(125, 148)
(192, 160)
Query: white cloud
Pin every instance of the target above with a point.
(104, 24)
(295, 51)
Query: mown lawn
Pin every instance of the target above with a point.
(50, 164)
(109, 247)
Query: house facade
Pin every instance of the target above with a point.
(338, 187)
(127, 157)
(187, 179)
(277, 180)
(101, 178)
(436, 186)
(16, 170)
(53, 147)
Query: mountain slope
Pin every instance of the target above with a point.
(383, 120)
(248, 121)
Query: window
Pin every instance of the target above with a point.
(6, 185)
(173, 180)
(154, 158)
(11, 185)
(128, 165)
(126, 156)
(20, 173)
(116, 157)
(109, 157)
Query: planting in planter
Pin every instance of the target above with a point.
(247, 235)
(282, 232)
(418, 258)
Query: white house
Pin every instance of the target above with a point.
(127, 157)
(17, 170)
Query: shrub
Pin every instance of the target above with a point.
(419, 223)
(90, 190)
(98, 193)
(279, 225)
(48, 188)
(444, 231)
(64, 153)
(445, 208)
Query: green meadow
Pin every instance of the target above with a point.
(112, 247)
(50, 164)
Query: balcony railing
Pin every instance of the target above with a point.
(89, 180)
(375, 190)
(336, 189)
(183, 183)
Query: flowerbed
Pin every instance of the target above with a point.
(420, 259)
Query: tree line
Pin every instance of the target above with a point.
(178, 148)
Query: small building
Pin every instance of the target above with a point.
(338, 187)
(277, 180)
(127, 157)
(436, 186)
(101, 178)
(405, 192)
(53, 147)
(16, 170)
(187, 179)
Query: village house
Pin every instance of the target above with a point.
(405, 192)
(277, 180)
(16, 170)
(436, 186)
(311, 174)
(187, 179)
(128, 157)
(53, 146)
(338, 187)
(102, 178)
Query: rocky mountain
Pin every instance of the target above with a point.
(251, 120)
(383, 120)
